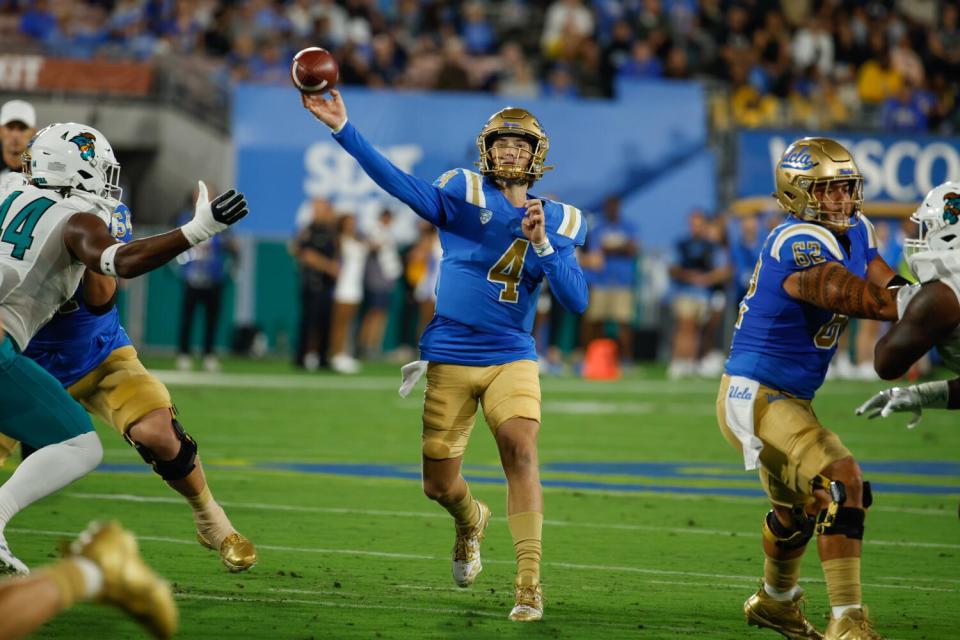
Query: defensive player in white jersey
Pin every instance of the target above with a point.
(929, 312)
(52, 227)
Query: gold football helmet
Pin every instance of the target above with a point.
(818, 164)
(513, 121)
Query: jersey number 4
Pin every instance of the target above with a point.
(19, 232)
(508, 270)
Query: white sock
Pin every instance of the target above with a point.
(782, 596)
(92, 577)
(839, 611)
(48, 470)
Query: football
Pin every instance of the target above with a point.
(314, 70)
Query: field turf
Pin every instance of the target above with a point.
(652, 527)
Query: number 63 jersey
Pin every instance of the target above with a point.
(782, 342)
(37, 272)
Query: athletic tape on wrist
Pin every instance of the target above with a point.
(108, 259)
(543, 250)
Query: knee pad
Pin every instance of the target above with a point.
(181, 465)
(793, 537)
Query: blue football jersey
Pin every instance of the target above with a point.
(782, 342)
(76, 341)
(490, 276)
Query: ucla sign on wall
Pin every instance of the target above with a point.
(896, 169)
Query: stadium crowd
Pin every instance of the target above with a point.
(815, 63)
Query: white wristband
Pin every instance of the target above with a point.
(194, 232)
(543, 250)
(935, 395)
(340, 128)
(108, 259)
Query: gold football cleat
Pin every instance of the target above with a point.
(852, 625)
(236, 552)
(127, 581)
(785, 617)
(529, 602)
(466, 550)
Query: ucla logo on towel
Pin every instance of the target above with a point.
(485, 215)
(740, 393)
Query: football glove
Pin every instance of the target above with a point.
(210, 218)
(903, 399)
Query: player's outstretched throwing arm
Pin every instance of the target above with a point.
(559, 263)
(92, 243)
(425, 199)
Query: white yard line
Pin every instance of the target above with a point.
(120, 497)
(366, 383)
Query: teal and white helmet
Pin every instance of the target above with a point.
(75, 156)
(938, 219)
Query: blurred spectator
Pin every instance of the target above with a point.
(642, 62)
(423, 269)
(477, 32)
(382, 270)
(699, 264)
(18, 123)
(904, 111)
(347, 294)
(204, 272)
(315, 250)
(877, 79)
(565, 20)
(613, 243)
(744, 253)
(712, 344)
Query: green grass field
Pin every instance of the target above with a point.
(652, 527)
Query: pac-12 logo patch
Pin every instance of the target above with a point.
(951, 208)
(84, 142)
(485, 215)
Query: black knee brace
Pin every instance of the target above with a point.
(181, 465)
(847, 521)
(794, 537)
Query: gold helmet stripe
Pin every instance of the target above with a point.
(819, 232)
(475, 195)
(571, 222)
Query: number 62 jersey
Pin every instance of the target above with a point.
(37, 272)
(781, 342)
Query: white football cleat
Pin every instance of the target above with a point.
(466, 550)
(9, 563)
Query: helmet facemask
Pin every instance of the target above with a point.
(818, 181)
(526, 164)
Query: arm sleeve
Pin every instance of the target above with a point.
(425, 199)
(566, 280)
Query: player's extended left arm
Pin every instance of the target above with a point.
(91, 242)
(567, 283)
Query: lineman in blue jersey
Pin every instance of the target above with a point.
(816, 269)
(87, 350)
(499, 243)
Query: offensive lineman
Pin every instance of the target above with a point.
(818, 267)
(51, 229)
(499, 243)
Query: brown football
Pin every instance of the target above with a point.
(314, 70)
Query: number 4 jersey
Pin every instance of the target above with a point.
(490, 276)
(37, 272)
(782, 342)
